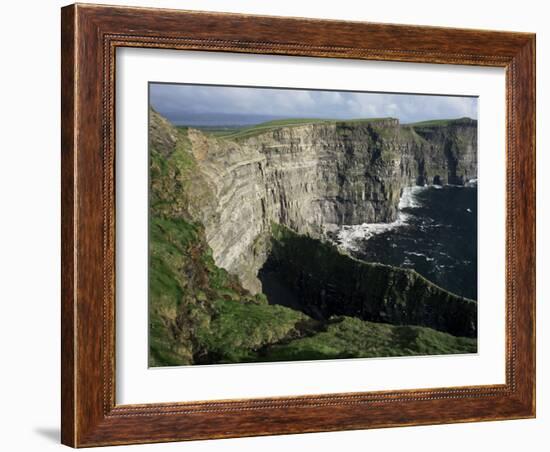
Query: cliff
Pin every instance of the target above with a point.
(200, 313)
(448, 152)
(311, 177)
(328, 283)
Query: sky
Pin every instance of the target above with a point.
(222, 105)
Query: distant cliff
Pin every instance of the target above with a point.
(310, 177)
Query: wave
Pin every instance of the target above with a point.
(408, 197)
(349, 237)
(414, 253)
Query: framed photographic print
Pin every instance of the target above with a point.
(281, 225)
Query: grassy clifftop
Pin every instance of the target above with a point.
(244, 132)
(269, 126)
(200, 314)
(443, 122)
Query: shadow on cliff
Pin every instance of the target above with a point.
(279, 292)
(313, 277)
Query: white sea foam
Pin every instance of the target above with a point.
(350, 237)
(414, 253)
(408, 197)
(471, 183)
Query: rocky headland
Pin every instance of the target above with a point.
(216, 201)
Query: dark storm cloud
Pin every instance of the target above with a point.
(183, 103)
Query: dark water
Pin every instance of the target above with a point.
(437, 237)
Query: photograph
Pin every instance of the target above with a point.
(294, 224)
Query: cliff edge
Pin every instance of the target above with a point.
(311, 177)
(214, 202)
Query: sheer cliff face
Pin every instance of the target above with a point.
(448, 153)
(312, 178)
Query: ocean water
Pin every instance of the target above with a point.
(434, 234)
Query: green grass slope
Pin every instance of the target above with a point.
(348, 337)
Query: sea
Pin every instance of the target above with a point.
(435, 234)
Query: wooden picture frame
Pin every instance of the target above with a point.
(90, 36)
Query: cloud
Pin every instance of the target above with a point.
(181, 103)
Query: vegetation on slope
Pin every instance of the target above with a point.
(200, 314)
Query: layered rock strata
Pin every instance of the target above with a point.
(312, 178)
